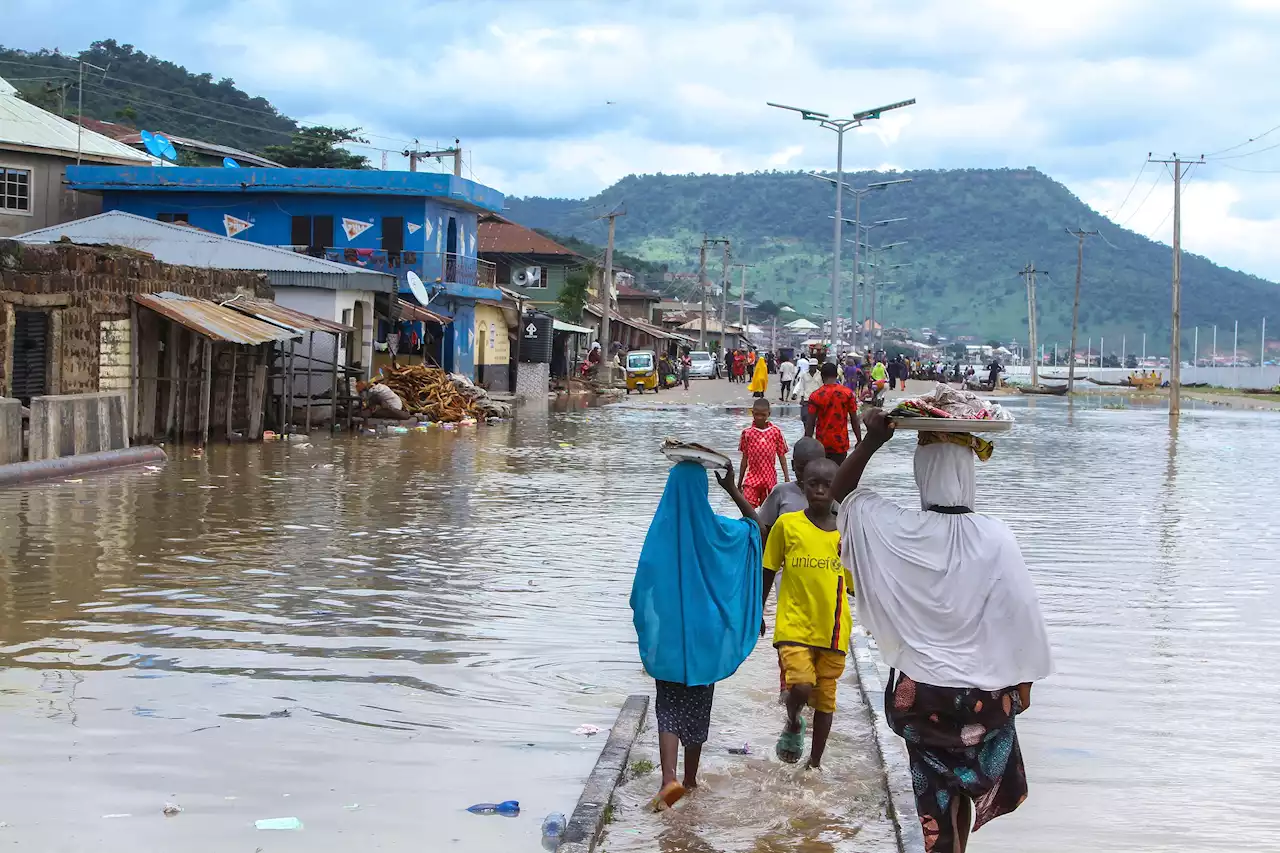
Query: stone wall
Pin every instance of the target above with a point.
(80, 286)
(71, 424)
(10, 431)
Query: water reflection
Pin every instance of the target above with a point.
(419, 622)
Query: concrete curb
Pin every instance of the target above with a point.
(893, 755)
(588, 818)
(22, 473)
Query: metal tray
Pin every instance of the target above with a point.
(952, 424)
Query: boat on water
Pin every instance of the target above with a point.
(1119, 383)
(1048, 390)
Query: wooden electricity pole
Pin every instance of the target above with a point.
(1029, 273)
(702, 283)
(1175, 343)
(1079, 234)
(606, 288)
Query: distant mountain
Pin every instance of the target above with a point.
(146, 92)
(969, 231)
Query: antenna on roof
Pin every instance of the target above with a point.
(228, 163)
(167, 151)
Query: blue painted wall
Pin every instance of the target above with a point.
(270, 216)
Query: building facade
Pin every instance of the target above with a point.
(393, 222)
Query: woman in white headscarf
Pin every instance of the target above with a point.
(947, 596)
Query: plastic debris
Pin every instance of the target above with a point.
(115, 816)
(354, 807)
(745, 749)
(563, 444)
(507, 808)
(587, 729)
(553, 825)
(278, 823)
(78, 480)
(171, 809)
(268, 435)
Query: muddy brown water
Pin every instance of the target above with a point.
(371, 634)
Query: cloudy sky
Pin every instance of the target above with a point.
(563, 97)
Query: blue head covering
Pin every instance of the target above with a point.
(696, 596)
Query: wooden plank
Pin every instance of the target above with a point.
(173, 339)
(206, 388)
(231, 390)
(292, 391)
(333, 392)
(257, 391)
(311, 354)
(134, 343)
(148, 366)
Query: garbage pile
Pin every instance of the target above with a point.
(441, 396)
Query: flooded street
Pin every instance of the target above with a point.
(372, 634)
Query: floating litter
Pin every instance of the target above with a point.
(278, 823)
(587, 729)
(171, 809)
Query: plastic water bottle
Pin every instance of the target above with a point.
(509, 808)
(553, 825)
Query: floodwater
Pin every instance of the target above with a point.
(372, 634)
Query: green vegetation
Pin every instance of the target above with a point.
(969, 231)
(147, 92)
(648, 273)
(316, 148)
(642, 767)
(573, 295)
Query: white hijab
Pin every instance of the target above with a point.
(947, 597)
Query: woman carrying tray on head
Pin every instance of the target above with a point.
(953, 609)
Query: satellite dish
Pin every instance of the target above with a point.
(167, 151)
(153, 146)
(417, 288)
(228, 163)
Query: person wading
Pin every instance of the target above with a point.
(696, 604)
(832, 409)
(951, 604)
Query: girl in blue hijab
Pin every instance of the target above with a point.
(697, 606)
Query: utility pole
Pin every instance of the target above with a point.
(1079, 234)
(606, 288)
(840, 125)
(1029, 275)
(702, 282)
(742, 295)
(455, 152)
(1175, 346)
(1262, 351)
(724, 298)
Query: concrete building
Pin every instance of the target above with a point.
(534, 266)
(389, 222)
(633, 302)
(36, 147)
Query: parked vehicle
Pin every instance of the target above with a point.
(702, 366)
(642, 370)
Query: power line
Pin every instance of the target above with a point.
(1246, 142)
(1131, 188)
(1143, 204)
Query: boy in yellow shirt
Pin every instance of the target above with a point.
(811, 632)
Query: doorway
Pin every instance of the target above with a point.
(393, 238)
(451, 251)
(30, 355)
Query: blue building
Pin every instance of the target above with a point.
(393, 222)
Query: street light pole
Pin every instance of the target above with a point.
(839, 125)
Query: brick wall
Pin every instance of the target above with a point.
(83, 285)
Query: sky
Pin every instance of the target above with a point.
(564, 97)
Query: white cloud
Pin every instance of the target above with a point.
(1083, 92)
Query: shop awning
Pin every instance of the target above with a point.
(411, 311)
(211, 320)
(273, 312)
(562, 326)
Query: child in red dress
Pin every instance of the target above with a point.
(761, 443)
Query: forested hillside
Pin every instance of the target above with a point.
(968, 233)
(146, 92)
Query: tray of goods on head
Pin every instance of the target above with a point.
(687, 451)
(948, 409)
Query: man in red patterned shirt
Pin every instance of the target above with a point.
(830, 406)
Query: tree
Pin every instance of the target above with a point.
(573, 295)
(958, 350)
(933, 340)
(1131, 361)
(317, 148)
(993, 343)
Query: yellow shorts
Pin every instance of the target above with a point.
(818, 667)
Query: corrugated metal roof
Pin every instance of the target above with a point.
(194, 247)
(562, 326)
(24, 125)
(416, 312)
(273, 312)
(212, 321)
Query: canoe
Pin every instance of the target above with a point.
(1050, 390)
(1122, 383)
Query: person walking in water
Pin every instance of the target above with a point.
(953, 609)
(811, 632)
(786, 376)
(760, 445)
(759, 378)
(832, 408)
(696, 604)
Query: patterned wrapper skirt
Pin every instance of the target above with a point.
(961, 743)
(685, 711)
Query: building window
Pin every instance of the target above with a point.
(15, 190)
(173, 217)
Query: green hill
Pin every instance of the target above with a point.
(146, 92)
(969, 231)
